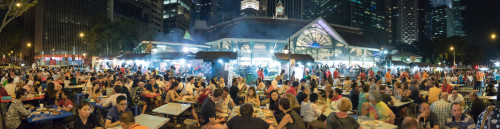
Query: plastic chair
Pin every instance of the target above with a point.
(189, 123)
(79, 97)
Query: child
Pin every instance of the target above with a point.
(64, 103)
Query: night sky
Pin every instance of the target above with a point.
(482, 18)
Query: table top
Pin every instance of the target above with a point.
(151, 95)
(172, 109)
(383, 125)
(74, 86)
(424, 92)
(398, 103)
(27, 99)
(45, 117)
(185, 99)
(329, 110)
(460, 85)
(483, 97)
(150, 121)
(264, 114)
(99, 106)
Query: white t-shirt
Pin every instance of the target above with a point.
(224, 104)
(112, 99)
(11, 89)
(188, 89)
(459, 99)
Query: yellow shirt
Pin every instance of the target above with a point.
(434, 94)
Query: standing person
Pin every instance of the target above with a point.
(208, 111)
(291, 120)
(362, 74)
(260, 73)
(477, 106)
(458, 120)
(446, 87)
(427, 118)
(246, 121)
(336, 73)
(388, 77)
(17, 112)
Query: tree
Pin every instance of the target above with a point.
(8, 41)
(15, 8)
(119, 36)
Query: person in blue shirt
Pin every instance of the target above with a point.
(113, 116)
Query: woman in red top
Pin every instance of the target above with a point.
(337, 94)
(64, 104)
(446, 87)
(363, 75)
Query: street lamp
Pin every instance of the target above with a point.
(81, 35)
(18, 4)
(493, 36)
(29, 44)
(452, 49)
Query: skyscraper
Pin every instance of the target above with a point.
(369, 16)
(250, 8)
(56, 25)
(293, 8)
(176, 17)
(407, 31)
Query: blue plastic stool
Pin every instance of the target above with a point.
(79, 97)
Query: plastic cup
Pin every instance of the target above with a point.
(41, 106)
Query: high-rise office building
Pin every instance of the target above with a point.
(55, 26)
(176, 17)
(59, 26)
(293, 8)
(407, 31)
(250, 8)
(369, 16)
(445, 18)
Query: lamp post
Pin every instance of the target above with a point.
(452, 49)
(29, 49)
(81, 39)
(286, 50)
(493, 36)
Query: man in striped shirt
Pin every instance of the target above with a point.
(442, 109)
(458, 120)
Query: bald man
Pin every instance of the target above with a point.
(410, 123)
(127, 121)
(442, 109)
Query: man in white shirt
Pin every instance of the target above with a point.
(456, 97)
(10, 87)
(129, 83)
(112, 98)
(223, 104)
(188, 89)
(310, 112)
